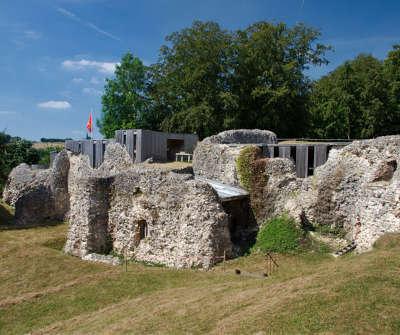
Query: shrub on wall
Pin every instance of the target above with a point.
(244, 165)
(279, 234)
(250, 167)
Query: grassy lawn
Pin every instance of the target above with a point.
(43, 291)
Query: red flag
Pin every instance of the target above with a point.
(89, 124)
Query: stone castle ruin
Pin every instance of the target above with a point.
(150, 214)
(183, 218)
(39, 195)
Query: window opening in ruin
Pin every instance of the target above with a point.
(124, 139)
(141, 231)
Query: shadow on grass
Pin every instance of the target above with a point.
(6, 215)
(56, 243)
(14, 226)
(7, 221)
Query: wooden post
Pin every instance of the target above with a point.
(269, 266)
(126, 260)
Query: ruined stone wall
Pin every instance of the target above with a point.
(216, 161)
(39, 196)
(358, 185)
(281, 187)
(89, 204)
(186, 225)
(243, 136)
(149, 214)
(215, 156)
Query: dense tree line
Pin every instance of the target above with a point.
(46, 140)
(13, 151)
(360, 99)
(208, 79)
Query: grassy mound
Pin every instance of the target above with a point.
(44, 291)
(388, 241)
(280, 235)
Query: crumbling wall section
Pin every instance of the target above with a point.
(359, 185)
(148, 214)
(215, 157)
(39, 195)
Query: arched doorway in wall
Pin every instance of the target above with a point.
(141, 231)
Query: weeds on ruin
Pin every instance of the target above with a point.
(251, 171)
(247, 166)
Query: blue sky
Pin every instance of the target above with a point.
(55, 54)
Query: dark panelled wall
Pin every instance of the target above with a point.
(140, 144)
(306, 157)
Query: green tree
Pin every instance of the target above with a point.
(351, 101)
(209, 79)
(392, 74)
(190, 83)
(14, 151)
(124, 101)
(269, 81)
(44, 154)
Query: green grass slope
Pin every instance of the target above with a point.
(43, 291)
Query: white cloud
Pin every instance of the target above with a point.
(95, 81)
(54, 104)
(7, 113)
(102, 67)
(77, 80)
(32, 34)
(88, 24)
(92, 91)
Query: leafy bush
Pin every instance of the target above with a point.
(14, 151)
(279, 234)
(44, 154)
